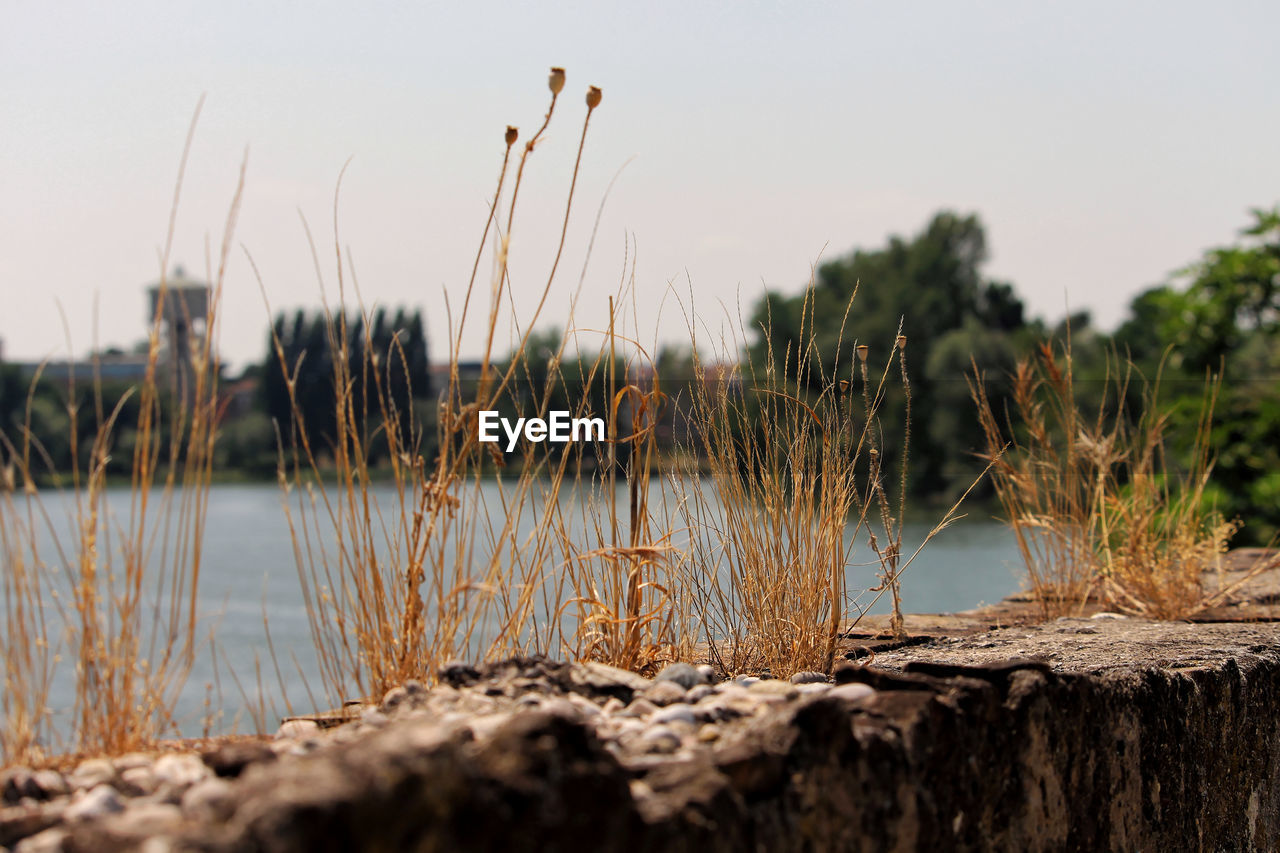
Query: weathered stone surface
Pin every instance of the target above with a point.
(1132, 736)
(230, 759)
(21, 821)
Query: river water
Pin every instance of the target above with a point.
(249, 570)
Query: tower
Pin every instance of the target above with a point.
(185, 305)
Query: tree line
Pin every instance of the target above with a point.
(1219, 315)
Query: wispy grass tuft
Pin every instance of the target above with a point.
(1099, 509)
(115, 593)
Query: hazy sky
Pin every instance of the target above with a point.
(1103, 144)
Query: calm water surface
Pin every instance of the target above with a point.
(249, 569)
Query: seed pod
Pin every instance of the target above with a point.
(556, 80)
(512, 135)
(593, 97)
(902, 341)
(863, 349)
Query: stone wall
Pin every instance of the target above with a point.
(1077, 735)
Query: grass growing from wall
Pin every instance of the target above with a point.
(796, 480)
(1099, 508)
(114, 597)
(433, 572)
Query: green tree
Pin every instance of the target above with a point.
(1221, 316)
(389, 365)
(932, 287)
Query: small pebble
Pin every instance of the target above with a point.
(561, 707)
(138, 781)
(92, 773)
(771, 687)
(745, 680)
(50, 783)
(294, 729)
(814, 688)
(681, 673)
(708, 733)
(613, 705)
(664, 693)
(676, 713)
(699, 693)
(182, 770)
(639, 708)
(808, 677)
(97, 802)
(850, 692)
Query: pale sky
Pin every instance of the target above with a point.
(1103, 144)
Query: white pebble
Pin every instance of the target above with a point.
(677, 713)
(91, 773)
(180, 770)
(141, 779)
(664, 693)
(297, 729)
(699, 693)
(812, 688)
(51, 782)
(851, 692)
(97, 802)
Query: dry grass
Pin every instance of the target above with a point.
(441, 569)
(796, 477)
(109, 590)
(1096, 505)
(475, 554)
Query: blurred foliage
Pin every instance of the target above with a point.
(1220, 316)
(396, 375)
(931, 287)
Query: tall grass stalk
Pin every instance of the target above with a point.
(436, 572)
(1099, 510)
(114, 594)
(796, 476)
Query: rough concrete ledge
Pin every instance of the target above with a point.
(1092, 734)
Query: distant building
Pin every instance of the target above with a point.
(185, 307)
